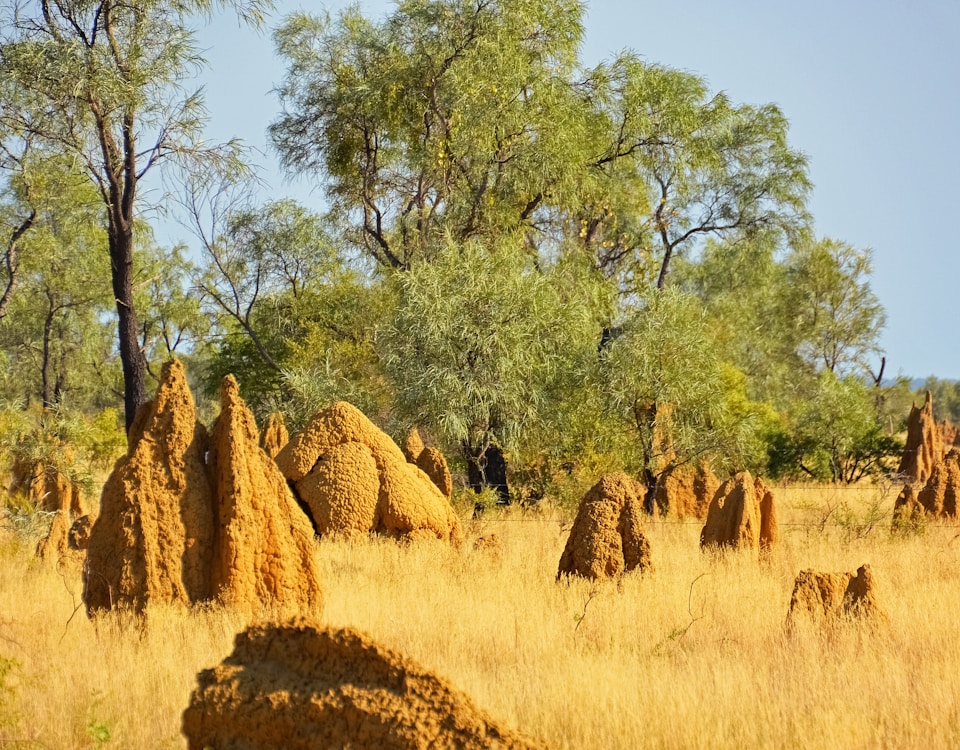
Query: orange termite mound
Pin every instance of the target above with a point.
(937, 497)
(66, 500)
(263, 551)
(356, 480)
(186, 518)
(153, 538)
(274, 434)
(55, 545)
(924, 446)
(686, 492)
(822, 599)
(607, 537)
(430, 460)
(78, 538)
(742, 515)
(298, 687)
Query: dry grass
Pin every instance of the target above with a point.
(691, 656)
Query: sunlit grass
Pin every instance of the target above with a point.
(692, 655)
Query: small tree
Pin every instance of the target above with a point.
(838, 316)
(666, 383)
(481, 346)
(838, 434)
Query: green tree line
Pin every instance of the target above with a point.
(549, 268)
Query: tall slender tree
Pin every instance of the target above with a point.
(102, 82)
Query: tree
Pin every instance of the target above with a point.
(665, 381)
(172, 319)
(838, 434)
(57, 323)
(946, 398)
(695, 166)
(839, 318)
(449, 119)
(256, 254)
(483, 346)
(295, 319)
(472, 119)
(101, 82)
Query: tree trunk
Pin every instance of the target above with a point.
(12, 261)
(645, 418)
(487, 467)
(650, 497)
(46, 386)
(131, 355)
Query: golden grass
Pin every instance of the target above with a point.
(691, 656)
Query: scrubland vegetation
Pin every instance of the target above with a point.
(692, 655)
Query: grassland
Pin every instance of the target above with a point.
(693, 655)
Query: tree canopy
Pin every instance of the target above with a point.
(547, 266)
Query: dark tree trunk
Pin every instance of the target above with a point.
(487, 467)
(650, 497)
(46, 385)
(12, 261)
(131, 356)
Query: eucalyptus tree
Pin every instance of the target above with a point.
(455, 122)
(102, 82)
(665, 380)
(17, 216)
(293, 315)
(255, 254)
(699, 166)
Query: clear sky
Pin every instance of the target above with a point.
(871, 90)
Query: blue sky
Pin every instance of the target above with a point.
(870, 89)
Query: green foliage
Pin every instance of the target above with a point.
(838, 316)
(298, 322)
(709, 167)
(55, 325)
(58, 440)
(172, 320)
(837, 433)
(97, 730)
(102, 85)
(484, 344)
(742, 286)
(465, 120)
(448, 118)
(946, 398)
(665, 381)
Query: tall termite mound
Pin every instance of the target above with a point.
(938, 495)
(185, 518)
(607, 537)
(263, 552)
(686, 491)
(65, 499)
(949, 434)
(742, 515)
(822, 599)
(298, 687)
(274, 434)
(924, 446)
(46, 487)
(430, 460)
(355, 479)
(153, 538)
